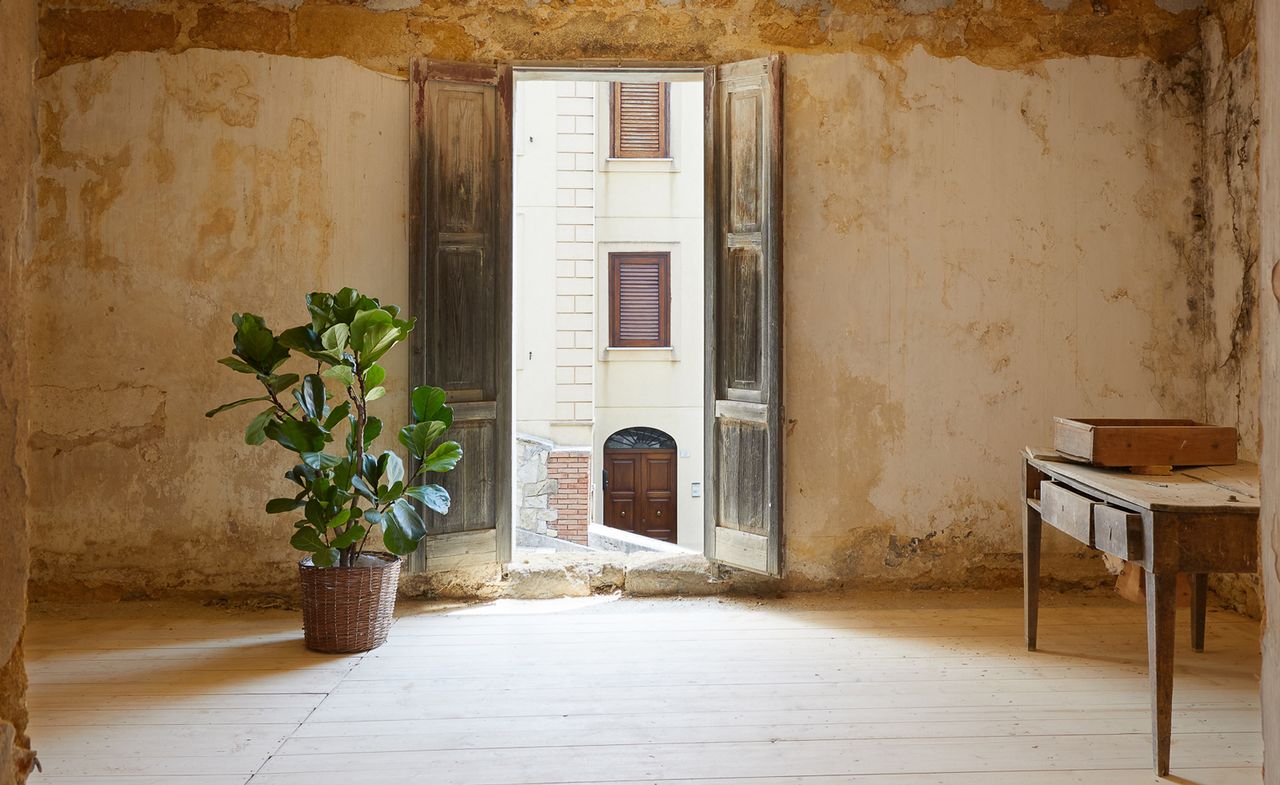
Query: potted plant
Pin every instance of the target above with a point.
(348, 593)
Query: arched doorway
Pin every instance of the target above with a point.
(640, 483)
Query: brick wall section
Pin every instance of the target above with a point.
(571, 472)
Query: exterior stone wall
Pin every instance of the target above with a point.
(552, 489)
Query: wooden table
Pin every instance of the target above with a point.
(1195, 521)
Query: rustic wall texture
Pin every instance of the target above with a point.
(1269, 201)
(994, 213)
(1231, 235)
(17, 218)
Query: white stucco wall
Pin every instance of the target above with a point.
(656, 205)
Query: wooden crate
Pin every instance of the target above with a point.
(1117, 442)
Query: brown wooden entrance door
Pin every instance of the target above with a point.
(640, 492)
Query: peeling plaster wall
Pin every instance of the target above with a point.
(969, 250)
(384, 34)
(172, 191)
(17, 219)
(1269, 208)
(1233, 379)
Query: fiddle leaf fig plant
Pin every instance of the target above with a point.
(345, 490)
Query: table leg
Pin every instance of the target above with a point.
(1199, 604)
(1031, 527)
(1161, 615)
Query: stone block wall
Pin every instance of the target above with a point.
(552, 489)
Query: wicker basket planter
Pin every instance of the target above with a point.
(349, 609)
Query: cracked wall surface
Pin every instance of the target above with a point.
(1268, 27)
(17, 217)
(1231, 236)
(969, 250)
(383, 34)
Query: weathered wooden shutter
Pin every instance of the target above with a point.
(744, 317)
(640, 119)
(639, 299)
(460, 290)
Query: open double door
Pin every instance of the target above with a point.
(461, 292)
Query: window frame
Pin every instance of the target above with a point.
(616, 261)
(615, 124)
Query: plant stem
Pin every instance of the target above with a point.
(279, 405)
(352, 552)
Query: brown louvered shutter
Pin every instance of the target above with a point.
(640, 119)
(639, 299)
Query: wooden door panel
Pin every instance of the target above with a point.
(660, 473)
(460, 291)
(462, 346)
(744, 319)
(640, 496)
(742, 477)
(743, 134)
(744, 325)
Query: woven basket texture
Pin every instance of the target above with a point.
(348, 609)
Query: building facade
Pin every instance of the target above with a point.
(609, 304)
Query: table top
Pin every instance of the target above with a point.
(1232, 488)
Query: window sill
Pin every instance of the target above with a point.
(639, 354)
(639, 165)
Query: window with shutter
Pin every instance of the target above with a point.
(639, 299)
(640, 119)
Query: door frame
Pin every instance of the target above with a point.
(639, 69)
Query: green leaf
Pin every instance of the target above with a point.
(433, 496)
(234, 404)
(320, 460)
(390, 467)
(299, 436)
(349, 537)
(253, 431)
(338, 414)
(334, 340)
(236, 364)
(374, 375)
(375, 393)
(312, 397)
(361, 487)
(420, 436)
(402, 528)
(443, 458)
(308, 539)
(314, 512)
(325, 558)
(256, 345)
(281, 382)
(368, 327)
(426, 402)
(342, 374)
(342, 517)
(284, 505)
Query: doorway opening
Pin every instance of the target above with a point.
(609, 310)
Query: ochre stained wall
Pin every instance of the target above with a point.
(969, 250)
(384, 34)
(1269, 200)
(17, 219)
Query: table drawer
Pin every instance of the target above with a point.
(1067, 510)
(1117, 532)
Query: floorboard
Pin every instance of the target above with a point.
(920, 690)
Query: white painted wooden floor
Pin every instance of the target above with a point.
(878, 689)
